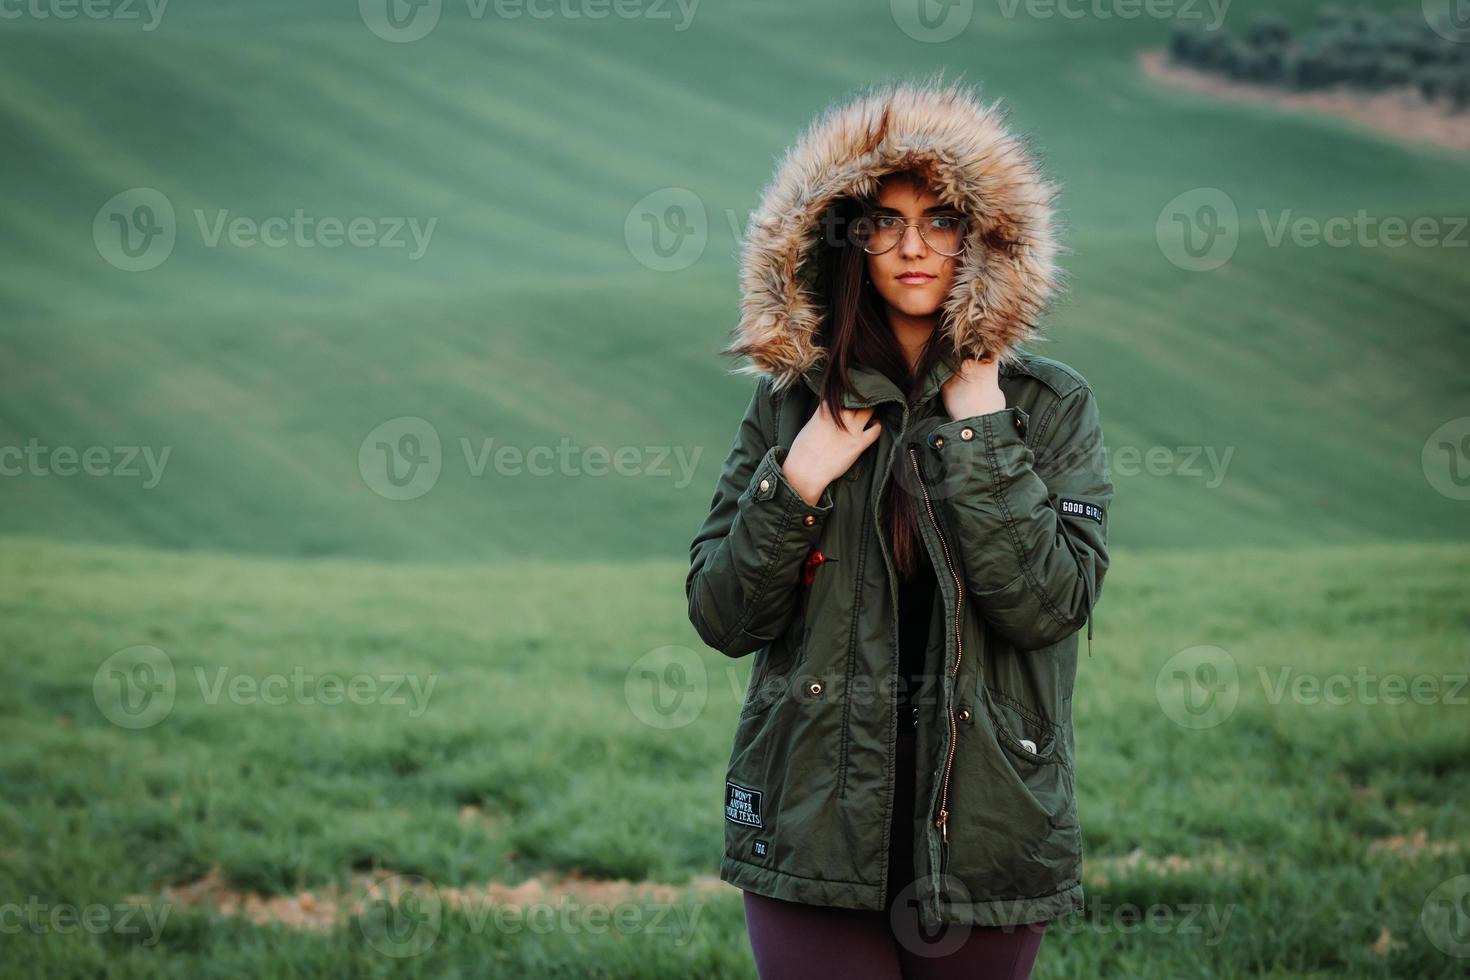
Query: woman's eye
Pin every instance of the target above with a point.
(944, 223)
(887, 221)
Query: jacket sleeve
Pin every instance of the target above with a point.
(745, 562)
(1032, 525)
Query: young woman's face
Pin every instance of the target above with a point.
(912, 277)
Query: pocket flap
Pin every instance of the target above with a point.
(1022, 732)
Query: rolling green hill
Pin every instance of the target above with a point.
(1285, 397)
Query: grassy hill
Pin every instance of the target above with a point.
(1285, 396)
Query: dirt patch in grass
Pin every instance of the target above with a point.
(308, 910)
(324, 909)
(1402, 113)
(1386, 945)
(1415, 845)
(1099, 871)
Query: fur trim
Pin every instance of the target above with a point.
(1004, 280)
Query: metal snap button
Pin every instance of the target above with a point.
(1028, 745)
(815, 688)
(938, 442)
(967, 434)
(765, 485)
(809, 520)
(964, 714)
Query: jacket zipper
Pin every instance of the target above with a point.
(943, 820)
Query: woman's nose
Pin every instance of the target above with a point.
(913, 243)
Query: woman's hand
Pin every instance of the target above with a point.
(821, 452)
(974, 389)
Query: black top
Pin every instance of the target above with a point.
(915, 604)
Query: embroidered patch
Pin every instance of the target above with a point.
(1081, 508)
(743, 805)
(758, 848)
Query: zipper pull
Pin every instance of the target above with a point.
(943, 824)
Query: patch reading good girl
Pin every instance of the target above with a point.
(908, 725)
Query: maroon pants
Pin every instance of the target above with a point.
(794, 940)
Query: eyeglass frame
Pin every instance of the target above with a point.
(914, 223)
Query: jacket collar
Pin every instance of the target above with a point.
(872, 387)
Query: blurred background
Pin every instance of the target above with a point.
(360, 397)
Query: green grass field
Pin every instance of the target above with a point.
(1269, 423)
(1257, 832)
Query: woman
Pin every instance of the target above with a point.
(909, 533)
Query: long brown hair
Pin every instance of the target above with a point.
(855, 330)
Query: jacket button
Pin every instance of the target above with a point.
(815, 687)
(964, 714)
(765, 485)
(1019, 423)
(809, 520)
(938, 442)
(967, 434)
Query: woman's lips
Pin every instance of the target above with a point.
(916, 279)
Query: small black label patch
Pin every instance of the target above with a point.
(743, 805)
(758, 848)
(1081, 508)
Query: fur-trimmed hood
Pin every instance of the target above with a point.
(1004, 280)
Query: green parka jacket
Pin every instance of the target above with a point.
(1013, 507)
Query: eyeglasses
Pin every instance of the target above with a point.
(879, 233)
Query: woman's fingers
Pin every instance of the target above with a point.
(861, 424)
(865, 422)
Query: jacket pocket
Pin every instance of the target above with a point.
(770, 676)
(1033, 748)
